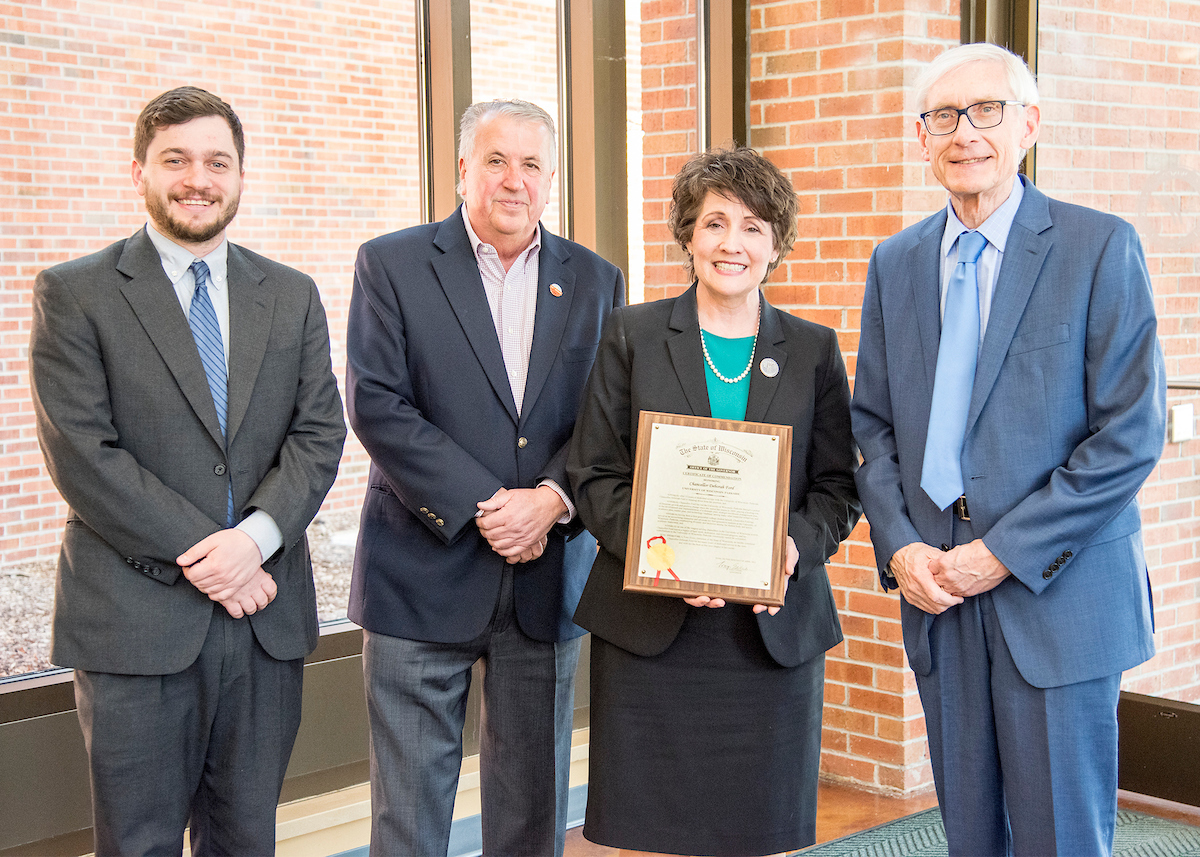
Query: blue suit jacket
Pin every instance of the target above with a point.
(1066, 421)
(429, 397)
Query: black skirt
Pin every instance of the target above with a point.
(710, 748)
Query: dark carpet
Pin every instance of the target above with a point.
(921, 835)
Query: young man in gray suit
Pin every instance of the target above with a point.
(189, 416)
(469, 344)
(1009, 403)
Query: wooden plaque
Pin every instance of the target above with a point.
(710, 509)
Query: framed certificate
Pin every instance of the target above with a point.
(710, 507)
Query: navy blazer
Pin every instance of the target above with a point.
(650, 360)
(429, 397)
(1066, 421)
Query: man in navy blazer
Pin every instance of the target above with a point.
(469, 345)
(1025, 598)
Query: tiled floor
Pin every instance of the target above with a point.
(842, 810)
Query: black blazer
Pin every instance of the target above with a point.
(650, 359)
(429, 397)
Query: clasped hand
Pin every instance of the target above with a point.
(516, 522)
(934, 581)
(790, 559)
(227, 567)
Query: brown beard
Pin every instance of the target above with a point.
(176, 230)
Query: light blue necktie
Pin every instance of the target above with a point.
(203, 321)
(958, 351)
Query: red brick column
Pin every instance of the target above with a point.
(827, 106)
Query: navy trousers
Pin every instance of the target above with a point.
(1019, 770)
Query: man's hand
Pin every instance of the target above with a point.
(259, 591)
(967, 570)
(912, 568)
(515, 522)
(222, 564)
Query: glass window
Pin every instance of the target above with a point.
(327, 95)
(514, 54)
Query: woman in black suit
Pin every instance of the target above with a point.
(706, 717)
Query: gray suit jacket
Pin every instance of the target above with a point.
(1066, 421)
(131, 439)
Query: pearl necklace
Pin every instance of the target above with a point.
(713, 366)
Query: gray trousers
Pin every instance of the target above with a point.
(416, 702)
(210, 744)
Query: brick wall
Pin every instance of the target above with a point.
(827, 90)
(828, 106)
(327, 94)
(1121, 106)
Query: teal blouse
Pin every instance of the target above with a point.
(728, 401)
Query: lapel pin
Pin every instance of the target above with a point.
(556, 290)
(768, 367)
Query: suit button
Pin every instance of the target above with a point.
(1068, 554)
(440, 522)
(430, 515)
(1047, 574)
(424, 510)
(219, 470)
(522, 442)
(155, 572)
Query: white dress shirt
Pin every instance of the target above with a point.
(512, 297)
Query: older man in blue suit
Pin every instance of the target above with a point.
(469, 344)
(1006, 429)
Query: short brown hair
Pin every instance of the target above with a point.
(179, 106)
(741, 174)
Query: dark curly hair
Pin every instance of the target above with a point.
(742, 174)
(179, 106)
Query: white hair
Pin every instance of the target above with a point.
(478, 113)
(1020, 79)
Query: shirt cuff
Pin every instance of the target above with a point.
(261, 527)
(565, 519)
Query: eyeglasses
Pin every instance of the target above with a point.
(985, 114)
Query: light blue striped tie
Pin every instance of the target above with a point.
(958, 352)
(203, 321)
